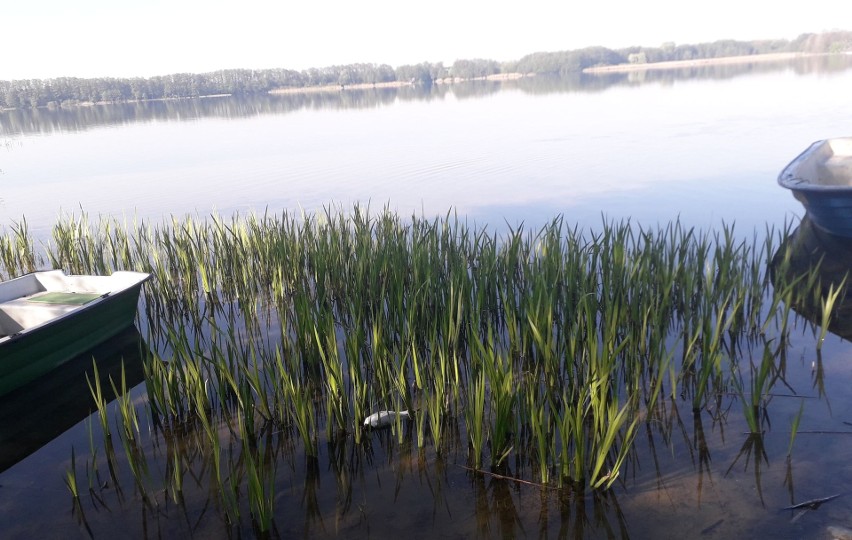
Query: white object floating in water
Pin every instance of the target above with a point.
(384, 418)
(839, 533)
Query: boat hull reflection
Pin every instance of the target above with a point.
(810, 253)
(37, 413)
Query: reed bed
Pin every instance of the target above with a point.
(543, 350)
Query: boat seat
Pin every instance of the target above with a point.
(8, 325)
(18, 288)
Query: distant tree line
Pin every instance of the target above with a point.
(71, 90)
(73, 119)
(565, 62)
(63, 91)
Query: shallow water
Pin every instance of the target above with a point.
(689, 475)
(677, 484)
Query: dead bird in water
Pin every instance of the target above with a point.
(384, 418)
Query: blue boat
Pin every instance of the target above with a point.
(821, 179)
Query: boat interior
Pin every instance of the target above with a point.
(830, 164)
(37, 298)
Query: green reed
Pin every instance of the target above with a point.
(127, 419)
(753, 396)
(437, 404)
(474, 414)
(175, 485)
(827, 307)
(301, 411)
(260, 472)
(501, 381)
(99, 398)
(548, 347)
(794, 428)
(337, 404)
(71, 477)
(541, 427)
(17, 251)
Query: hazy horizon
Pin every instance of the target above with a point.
(102, 38)
(374, 63)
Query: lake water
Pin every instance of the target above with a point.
(706, 147)
(702, 146)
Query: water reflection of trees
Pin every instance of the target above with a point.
(805, 65)
(51, 120)
(45, 121)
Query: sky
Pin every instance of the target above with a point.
(143, 38)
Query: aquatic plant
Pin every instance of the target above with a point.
(17, 251)
(71, 477)
(546, 349)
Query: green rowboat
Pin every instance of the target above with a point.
(47, 318)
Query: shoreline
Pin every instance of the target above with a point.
(395, 84)
(339, 87)
(617, 68)
(702, 62)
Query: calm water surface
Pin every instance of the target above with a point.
(705, 149)
(694, 146)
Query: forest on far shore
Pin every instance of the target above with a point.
(70, 91)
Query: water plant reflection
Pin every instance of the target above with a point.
(537, 356)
